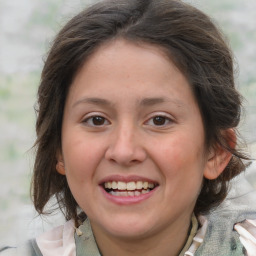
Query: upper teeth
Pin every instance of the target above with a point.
(132, 185)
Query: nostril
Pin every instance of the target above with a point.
(135, 161)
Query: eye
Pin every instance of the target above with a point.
(159, 120)
(96, 121)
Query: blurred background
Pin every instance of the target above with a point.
(26, 30)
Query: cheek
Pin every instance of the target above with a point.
(81, 157)
(182, 158)
(181, 165)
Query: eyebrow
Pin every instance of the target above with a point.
(155, 101)
(144, 102)
(94, 101)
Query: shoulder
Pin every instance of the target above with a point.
(67, 240)
(8, 251)
(247, 235)
(58, 241)
(29, 248)
(239, 205)
(228, 223)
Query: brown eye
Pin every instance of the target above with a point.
(159, 120)
(98, 120)
(94, 121)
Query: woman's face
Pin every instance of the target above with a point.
(133, 142)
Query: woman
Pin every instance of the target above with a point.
(136, 135)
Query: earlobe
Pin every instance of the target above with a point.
(60, 165)
(219, 158)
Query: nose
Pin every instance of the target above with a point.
(126, 147)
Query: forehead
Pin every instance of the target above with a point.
(131, 58)
(122, 73)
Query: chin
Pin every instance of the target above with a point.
(129, 228)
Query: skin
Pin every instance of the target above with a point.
(127, 86)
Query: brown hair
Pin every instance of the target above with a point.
(194, 44)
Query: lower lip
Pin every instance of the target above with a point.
(127, 200)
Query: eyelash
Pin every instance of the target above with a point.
(167, 120)
(90, 121)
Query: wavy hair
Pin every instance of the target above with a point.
(189, 38)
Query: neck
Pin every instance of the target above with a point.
(169, 241)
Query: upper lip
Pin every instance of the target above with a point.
(126, 179)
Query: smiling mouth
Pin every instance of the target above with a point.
(128, 189)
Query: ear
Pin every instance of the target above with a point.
(60, 164)
(219, 157)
